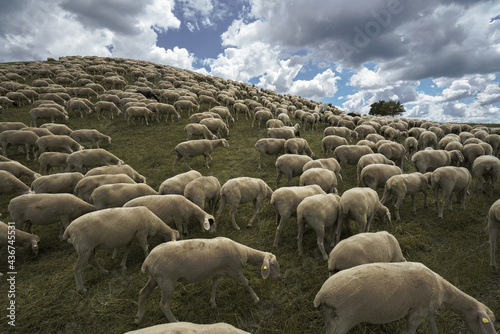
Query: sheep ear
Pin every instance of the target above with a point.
(207, 223)
(388, 213)
(485, 323)
(265, 269)
(460, 156)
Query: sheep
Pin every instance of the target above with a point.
(320, 212)
(361, 205)
(117, 169)
(347, 301)
(494, 140)
(493, 227)
(45, 209)
(138, 112)
(198, 130)
(89, 135)
(78, 104)
(393, 151)
(88, 184)
(56, 183)
(363, 248)
(201, 189)
(196, 118)
(350, 154)
(262, 116)
(341, 132)
(486, 167)
(285, 201)
(181, 105)
(176, 184)
(56, 143)
(167, 110)
(110, 229)
(10, 236)
(48, 160)
(401, 185)
(94, 157)
(429, 160)
(285, 119)
(324, 178)
(471, 152)
(108, 106)
(298, 146)
(241, 108)
(368, 159)
(283, 133)
(187, 261)
(427, 139)
(192, 148)
(327, 163)
(224, 114)
(291, 165)
(175, 209)
(375, 175)
(40, 132)
(57, 129)
(115, 195)
(331, 142)
(452, 180)
(10, 184)
(209, 100)
(242, 190)
(411, 145)
(271, 146)
(18, 138)
(190, 328)
(216, 126)
(11, 126)
(46, 112)
(18, 170)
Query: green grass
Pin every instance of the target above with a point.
(456, 247)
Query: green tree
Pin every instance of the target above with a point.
(387, 108)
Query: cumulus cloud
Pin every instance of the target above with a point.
(322, 85)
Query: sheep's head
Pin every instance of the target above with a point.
(208, 222)
(270, 266)
(34, 244)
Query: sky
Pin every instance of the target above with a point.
(440, 58)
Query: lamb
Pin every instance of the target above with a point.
(190, 328)
(283, 133)
(46, 112)
(198, 130)
(330, 143)
(350, 154)
(10, 236)
(401, 185)
(429, 160)
(324, 178)
(242, 190)
(291, 165)
(117, 169)
(18, 170)
(271, 146)
(452, 180)
(138, 112)
(298, 146)
(493, 227)
(285, 201)
(262, 116)
(187, 261)
(174, 209)
(56, 143)
(176, 184)
(486, 167)
(108, 106)
(94, 157)
(363, 248)
(201, 189)
(88, 184)
(347, 301)
(10, 184)
(327, 163)
(321, 213)
(192, 148)
(56, 183)
(115, 195)
(375, 175)
(18, 138)
(45, 209)
(361, 205)
(48, 160)
(216, 126)
(372, 158)
(57, 129)
(111, 229)
(89, 135)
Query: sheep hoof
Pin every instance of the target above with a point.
(82, 290)
(249, 225)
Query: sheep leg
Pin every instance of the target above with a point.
(83, 257)
(208, 158)
(176, 161)
(234, 206)
(415, 318)
(166, 292)
(215, 281)
(301, 226)
(143, 294)
(333, 323)
(281, 225)
(278, 177)
(123, 264)
(493, 246)
(414, 201)
(320, 237)
(93, 263)
(239, 277)
(256, 205)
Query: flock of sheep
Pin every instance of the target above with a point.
(103, 203)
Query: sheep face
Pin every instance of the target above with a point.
(34, 244)
(270, 266)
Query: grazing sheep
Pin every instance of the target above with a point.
(341, 131)
(117, 169)
(224, 114)
(46, 112)
(347, 302)
(18, 138)
(285, 201)
(111, 229)
(193, 148)
(195, 260)
(393, 151)
(262, 116)
(283, 133)
(327, 163)
(242, 190)
(350, 154)
(364, 248)
(77, 104)
(298, 146)
(411, 145)
(493, 227)
(89, 135)
(57, 129)
(323, 177)
(108, 106)
(57, 143)
(452, 180)
(176, 184)
(321, 213)
(196, 118)
(196, 129)
(375, 175)
(216, 126)
(10, 184)
(181, 105)
(190, 328)
(201, 189)
(361, 205)
(137, 112)
(45, 209)
(291, 165)
(401, 185)
(471, 152)
(274, 123)
(81, 160)
(368, 159)
(486, 167)
(88, 184)
(56, 183)
(429, 160)
(18, 170)
(115, 195)
(427, 139)
(48, 160)
(270, 146)
(330, 143)
(9, 234)
(166, 110)
(174, 209)
(11, 126)
(240, 108)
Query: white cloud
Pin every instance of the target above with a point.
(321, 86)
(490, 95)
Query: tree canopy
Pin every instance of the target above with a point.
(387, 108)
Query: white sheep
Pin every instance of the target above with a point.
(56, 183)
(181, 105)
(138, 112)
(46, 112)
(57, 129)
(167, 110)
(11, 236)
(321, 213)
(429, 160)
(174, 209)
(115, 195)
(324, 178)
(57, 143)
(108, 106)
(201, 189)
(18, 138)
(393, 151)
(88, 184)
(291, 165)
(90, 135)
(363, 248)
(216, 126)
(270, 146)
(196, 129)
(193, 148)
(411, 145)
(111, 229)
(262, 116)
(48, 160)
(452, 180)
(285, 201)
(356, 295)
(18, 170)
(375, 175)
(493, 227)
(195, 260)
(242, 190)
(283, 133)
(298, 146)
(190, 328)
(350, 154)
(10, 184)
(486, 167)
(331, 142)
(327, 163)
(176, 184)
(117, 169)
(94, 157)
(368, 159)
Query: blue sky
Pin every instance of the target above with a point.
(441, 58)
